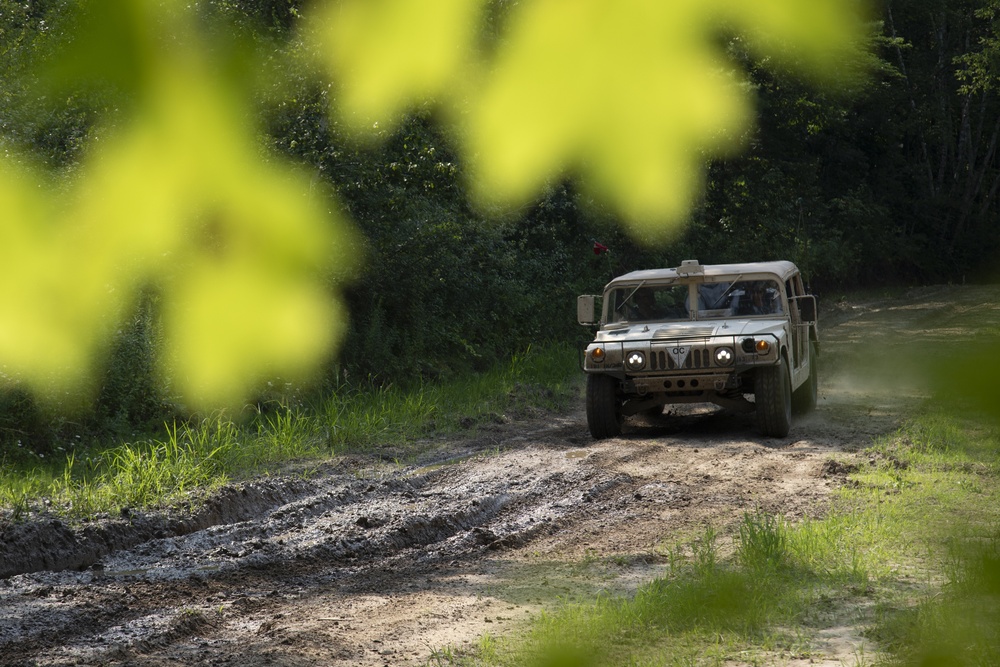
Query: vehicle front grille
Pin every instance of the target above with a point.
(684, 331)
(697, 358)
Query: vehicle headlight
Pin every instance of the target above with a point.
(724, 356)
(751, 345)
(635, 360)
(597, 355)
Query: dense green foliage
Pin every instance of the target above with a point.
(894, 182)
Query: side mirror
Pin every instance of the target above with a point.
(585, 309)
(808, 308)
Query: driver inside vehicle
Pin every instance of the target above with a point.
(645, 306)
(761, 299)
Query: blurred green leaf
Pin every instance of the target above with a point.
(634, 96)
(386, 54)
(177, 196)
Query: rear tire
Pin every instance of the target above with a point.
(604, 413)
(804, 398)
(773, 396)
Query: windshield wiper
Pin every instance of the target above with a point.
(726, 293)
(630, 295)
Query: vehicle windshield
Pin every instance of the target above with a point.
(671, 302)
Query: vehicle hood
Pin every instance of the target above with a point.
(687, 330)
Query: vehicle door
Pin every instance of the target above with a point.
(800, 329)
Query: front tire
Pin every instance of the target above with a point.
(773, 396)
(604, 413)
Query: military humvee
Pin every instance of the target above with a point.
(742, 336)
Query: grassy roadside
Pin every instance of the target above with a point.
(202, 455)
(908, 556)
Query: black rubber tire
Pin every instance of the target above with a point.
(804, 398)
(773, 396)
(604, 413)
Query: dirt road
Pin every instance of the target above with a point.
(371, 563)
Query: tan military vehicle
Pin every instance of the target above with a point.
(742, 336)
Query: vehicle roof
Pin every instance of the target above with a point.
(783, 269)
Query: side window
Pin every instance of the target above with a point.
(795, 289)
(790, 286)
(791, 291)
(807, 306)
(796, 286)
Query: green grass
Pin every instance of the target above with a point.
(359, 417)
(908, 554)
(190, 459)
(709, 610)
(948, 473)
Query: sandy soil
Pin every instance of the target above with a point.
(372, 563)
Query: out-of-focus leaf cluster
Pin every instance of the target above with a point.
(633, 96)
(177, 196)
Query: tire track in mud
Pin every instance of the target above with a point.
(337, 529)
(54, 545)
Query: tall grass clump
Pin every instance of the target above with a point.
(746, 606)
(156, 471)
(358, 417)
(763, 541)
(148, 472)
(286, 435)
(189, 458)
